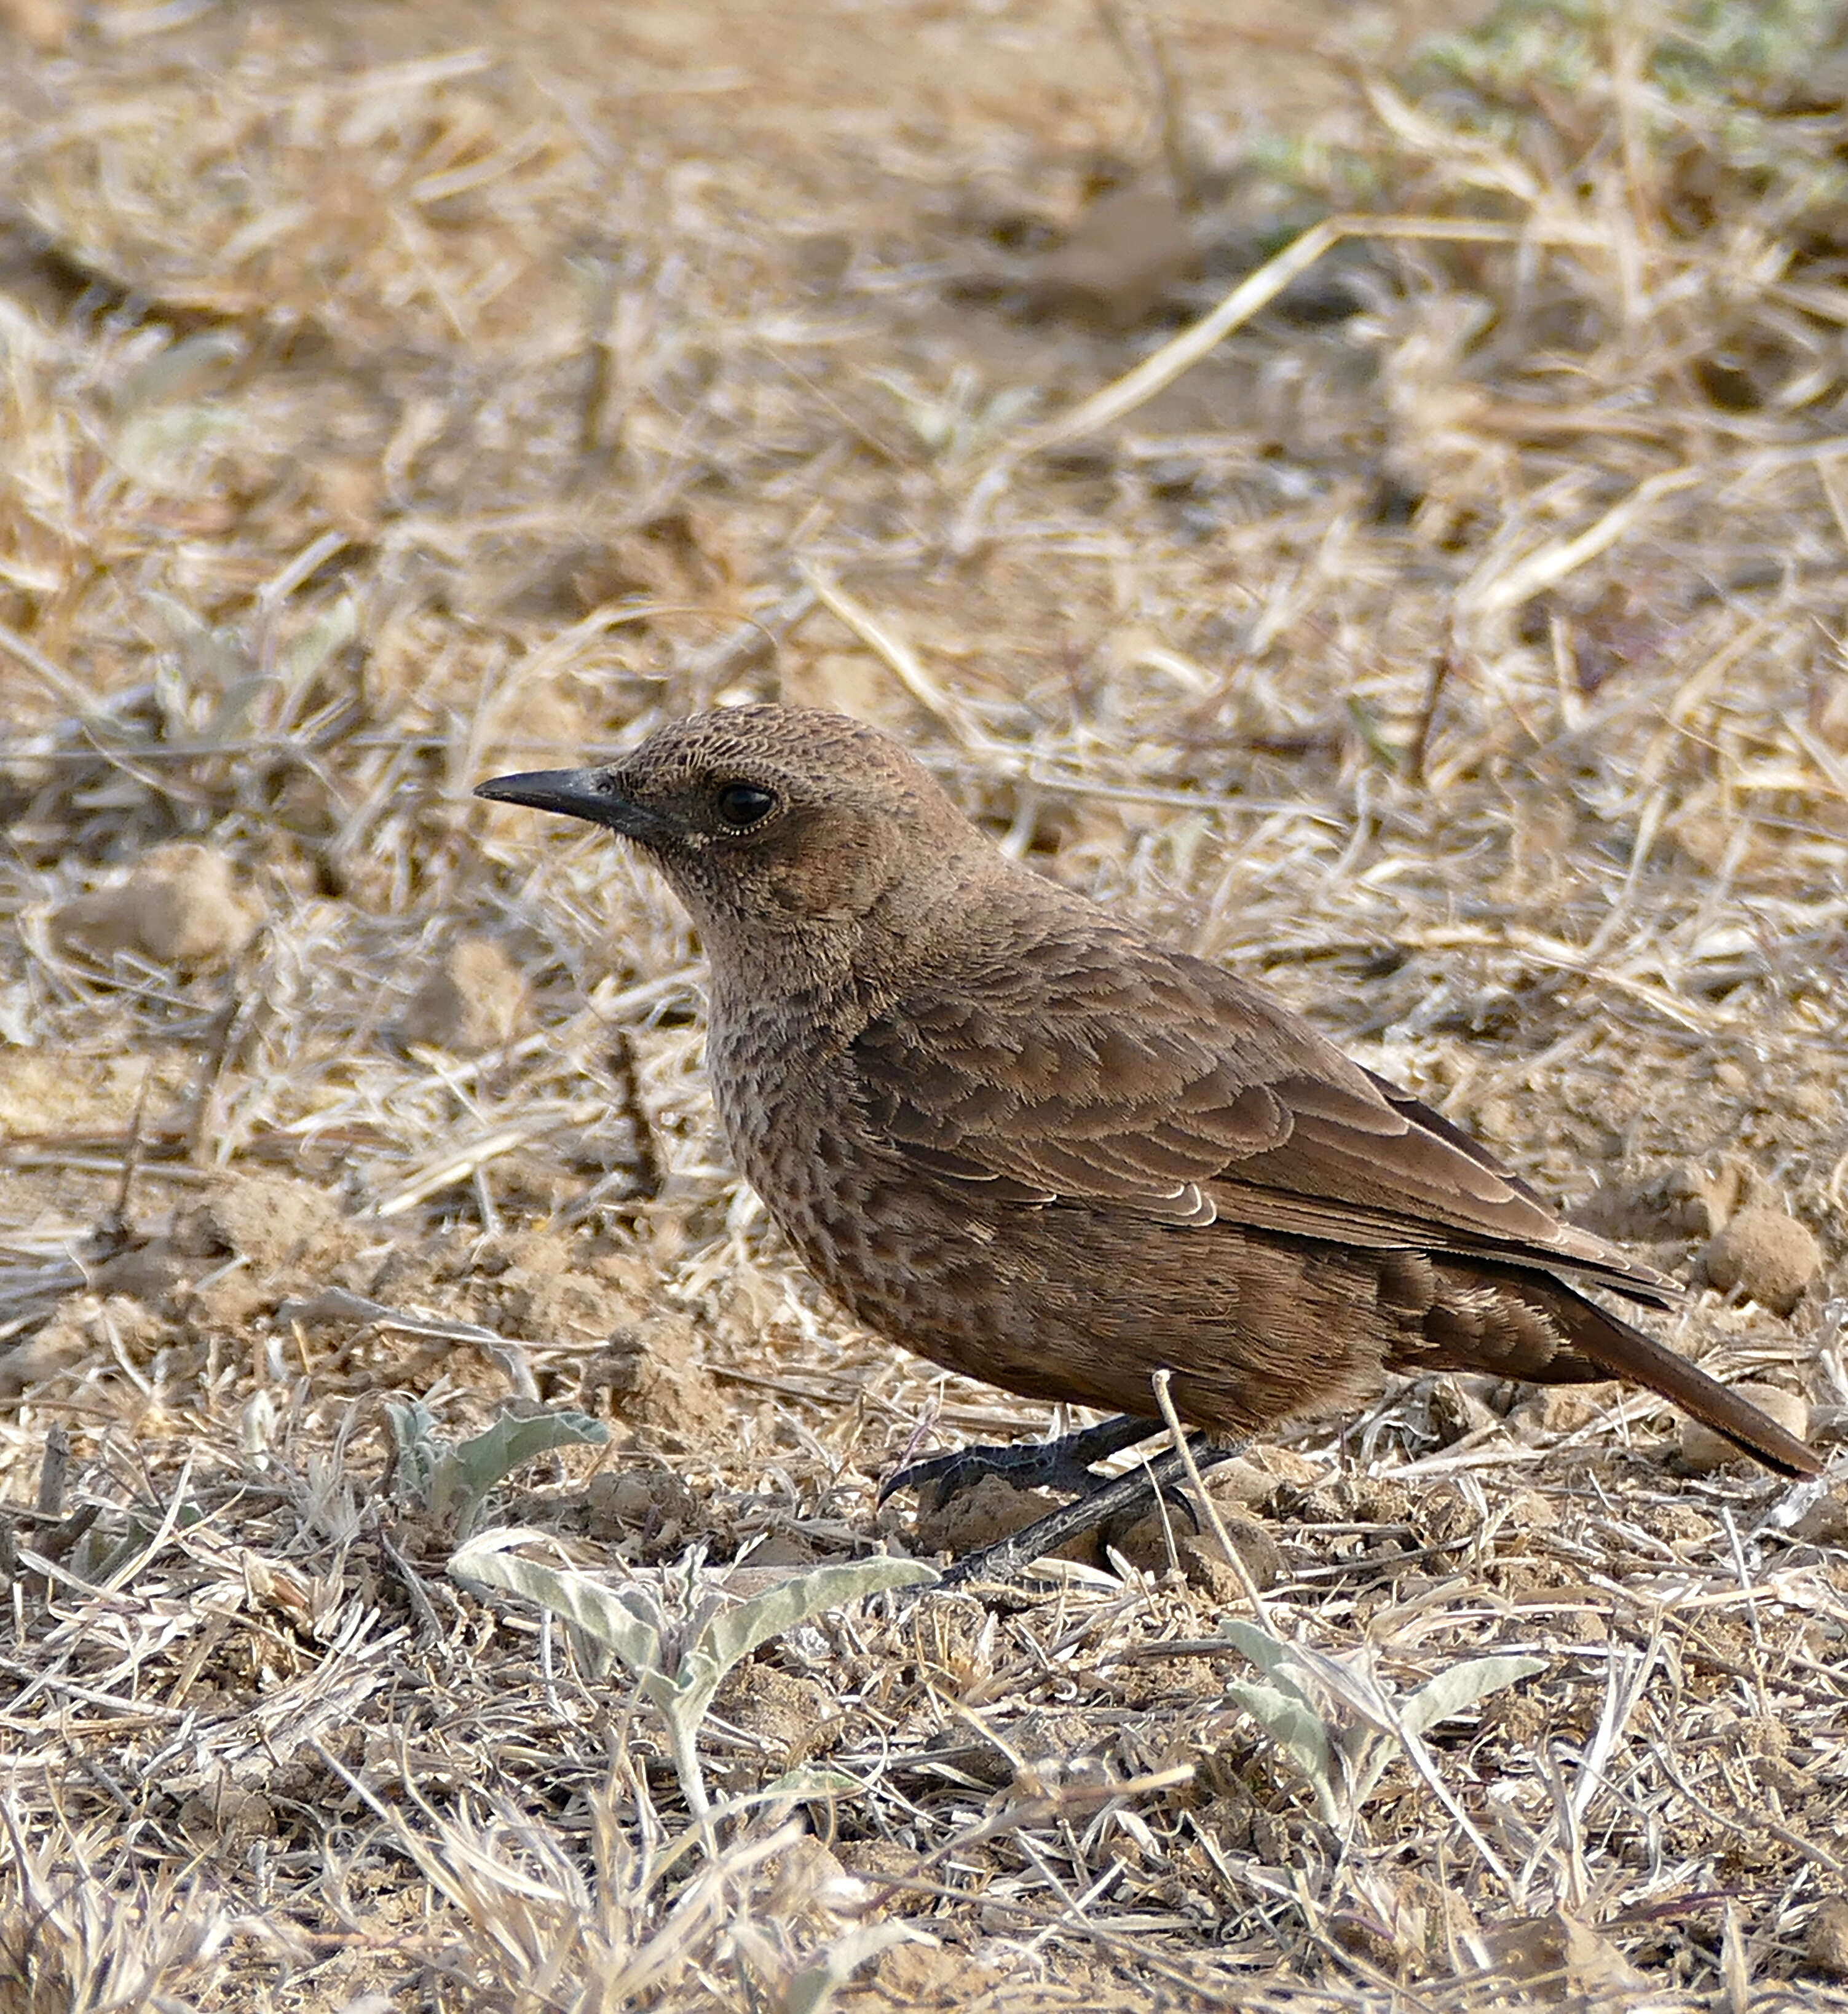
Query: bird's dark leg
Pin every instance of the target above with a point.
(1007, 1557)
(1064, 1464)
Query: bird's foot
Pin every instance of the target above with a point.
(1064, 1464)
(1103, 1504)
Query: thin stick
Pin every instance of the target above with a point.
(60, 683)
(1161, 1381)
(1140, 43)
(893, 651)
(1255, 292)
(115, 1224)
(1551, 563)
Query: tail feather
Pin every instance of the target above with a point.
(1617, 1350)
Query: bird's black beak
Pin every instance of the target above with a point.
(595, 794)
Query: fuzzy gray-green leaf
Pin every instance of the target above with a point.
(1298, 1730)
(739, 1631)
(575, 1597)
(1456, 1689)
(464, 1476)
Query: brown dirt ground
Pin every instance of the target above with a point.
(396, 394)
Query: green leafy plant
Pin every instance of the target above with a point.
(453, 1482)
(678, 1661)
(1738, 83)
(1340, 1724)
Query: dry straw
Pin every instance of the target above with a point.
(1444, 625)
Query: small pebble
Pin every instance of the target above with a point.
(1121, 260)
(1702, 1450)
(1825, 1523)
(1199, 1554)
(1828, 1937)
(46, 24)
(176, 906)
(473, 1001)
(1768, 1254)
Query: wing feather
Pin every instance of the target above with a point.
(1114, 1071)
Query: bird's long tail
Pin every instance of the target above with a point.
(1617, 1350)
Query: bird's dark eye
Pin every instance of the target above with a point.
(743, 806)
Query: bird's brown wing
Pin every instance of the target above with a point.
(1107, 1069)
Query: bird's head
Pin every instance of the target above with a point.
(771, 819)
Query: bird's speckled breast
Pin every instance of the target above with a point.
(929, 1273)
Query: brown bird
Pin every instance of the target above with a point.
(1010, 1131)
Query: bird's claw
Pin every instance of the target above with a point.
(1105, 1502)
(1064, 1464)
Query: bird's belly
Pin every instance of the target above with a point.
(1080, 1303)
(914, 1265)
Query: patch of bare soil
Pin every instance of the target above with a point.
(394, 395)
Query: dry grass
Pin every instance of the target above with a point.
(387, 401)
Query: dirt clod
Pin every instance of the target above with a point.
(228, 1814)
(268, 1220)
(1243, 1482)
(1689, 1200)
(178, 906)
(793, 1716)
(1121, 260)
(1825, 1523)
(474, 998)
(1562, 1958)
(80, 1327)
(992, 1509)
(1767, 1254)
(1197, 1552)
(652, 1373)
(925, 1975)
(806, 1880)
(148, 1273)
(872, 1862)
(1827, 1946)
(46, 23)
(1553, 1410)
(650, 1508)
(546, 1291)
(1208, 1567)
